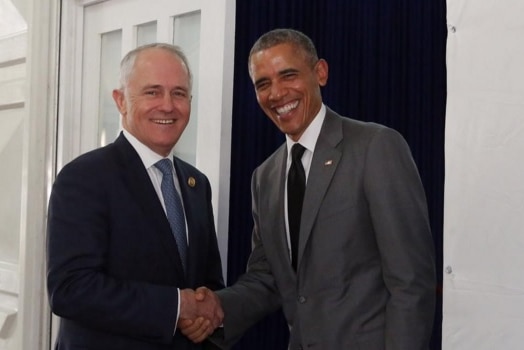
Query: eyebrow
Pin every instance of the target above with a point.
(158, 86)
(151, 86)
(281, 73)
(260, 81)
(288, 70)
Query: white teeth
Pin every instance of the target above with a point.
(285, 109)
(164, 121)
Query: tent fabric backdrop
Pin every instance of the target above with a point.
(386, 63)
(484, 207)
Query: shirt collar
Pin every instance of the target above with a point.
(148, 156)
(310, 136)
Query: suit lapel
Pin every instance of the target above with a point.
(191, 207)
(136, 178)
(276, 195)
(271, 204)
(323, 166)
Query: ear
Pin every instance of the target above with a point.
(120, 101)
(321, 69)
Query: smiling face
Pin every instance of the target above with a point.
(155, 103)
(288, 87)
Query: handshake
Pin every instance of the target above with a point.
(200, 313)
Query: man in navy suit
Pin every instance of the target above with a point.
(361, 273)
(116, 275)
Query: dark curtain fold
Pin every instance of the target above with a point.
(386, 63)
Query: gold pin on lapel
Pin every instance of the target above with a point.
(191, 181)
(328, 162)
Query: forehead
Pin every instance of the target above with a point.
(160, 65)
(277, 57)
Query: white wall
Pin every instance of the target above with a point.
(484, 191)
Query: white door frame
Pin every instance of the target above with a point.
(33, 322)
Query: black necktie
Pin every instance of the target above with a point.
(296, 185)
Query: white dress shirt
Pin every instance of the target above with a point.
(308, 140)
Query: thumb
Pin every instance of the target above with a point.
(200, 293)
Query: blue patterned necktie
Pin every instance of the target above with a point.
(174, 208)
(296, 186)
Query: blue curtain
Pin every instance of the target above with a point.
(386, 63)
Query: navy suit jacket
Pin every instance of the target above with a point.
(113, 266)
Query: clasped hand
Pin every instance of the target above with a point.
(200, 313)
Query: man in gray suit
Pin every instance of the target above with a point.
(362, 275)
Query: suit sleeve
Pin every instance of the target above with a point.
(255, 294)
(399, 214)
(79, 285)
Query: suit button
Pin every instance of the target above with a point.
(302, 299)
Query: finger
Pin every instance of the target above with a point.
(184, 323)
(201, 333)
(188, 328)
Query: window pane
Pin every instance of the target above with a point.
(187, 35)
(146, 33)
(109, 118)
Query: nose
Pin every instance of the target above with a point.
(167, 102)
(276, 92)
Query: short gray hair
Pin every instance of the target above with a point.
(128, 62)
(286, 36)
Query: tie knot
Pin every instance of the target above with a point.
(164, 165)
(297, 151)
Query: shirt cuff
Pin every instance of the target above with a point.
(177, 311)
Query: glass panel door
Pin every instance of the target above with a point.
(105, 43)
(108, 119)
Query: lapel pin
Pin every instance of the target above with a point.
(328, 162)
(191, 181)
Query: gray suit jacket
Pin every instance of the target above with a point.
(366, 275)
